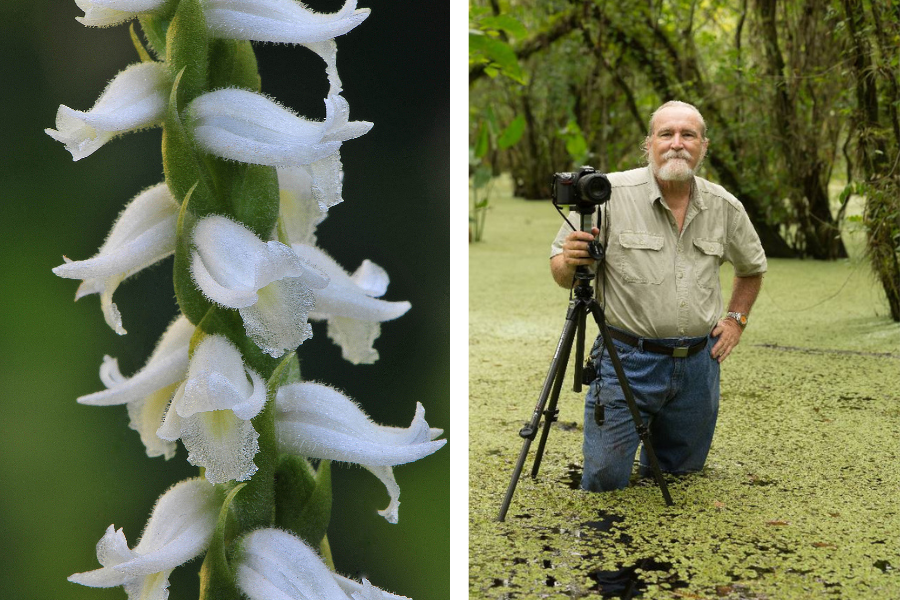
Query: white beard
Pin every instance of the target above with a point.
(673, 168)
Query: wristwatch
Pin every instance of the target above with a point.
(741, 318)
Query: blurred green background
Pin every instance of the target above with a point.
(68, 471)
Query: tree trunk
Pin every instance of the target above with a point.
(808, 189)
(882, 212)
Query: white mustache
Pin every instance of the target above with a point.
(684, 154)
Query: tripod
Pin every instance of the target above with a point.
(582, 303)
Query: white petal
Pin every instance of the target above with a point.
(221, 443)
(386, 476)
(179, 529)
(275, 565)
(317, 421)
(231, 264)
(365, 590)
(343, 296)
(146, 415)
(278, 321)
(103, 13)
(136, 98)
(217, 380)
(356, 339)
(143, 234)
(248, 127)
(300, 211)
(278, 20)
(267, 281)
(211, 412)
(371, 278)
(167, 365)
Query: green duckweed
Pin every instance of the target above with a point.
(799, 498)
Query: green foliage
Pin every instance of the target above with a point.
(216, 576)
(303, 498)
(489, 46)
(187, 50)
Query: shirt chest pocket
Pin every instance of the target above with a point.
(707, 260)
(642, 257)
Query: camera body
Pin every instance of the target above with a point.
(584, 189)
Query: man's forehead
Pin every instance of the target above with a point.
(677, 118)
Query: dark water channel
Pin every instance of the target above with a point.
(624, 582)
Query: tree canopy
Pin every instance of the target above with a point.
(800, 97)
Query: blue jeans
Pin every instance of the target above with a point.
(678, 397)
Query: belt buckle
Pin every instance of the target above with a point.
(680, 352)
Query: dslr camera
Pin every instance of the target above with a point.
(584, 189)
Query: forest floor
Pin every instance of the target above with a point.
(799, 498)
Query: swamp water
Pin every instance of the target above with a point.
(801, 491)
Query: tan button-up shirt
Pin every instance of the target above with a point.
(660, 282)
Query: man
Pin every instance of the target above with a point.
(665, 232)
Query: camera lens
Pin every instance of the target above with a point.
(594, 187)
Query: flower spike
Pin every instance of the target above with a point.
(135, 99)
(143, 235)
(317, 421)
(179, 529)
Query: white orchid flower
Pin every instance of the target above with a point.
(317, 421)
(103, 13)
(248, 127)
(266, 281)
(143, 234)
(211, 412)
(285, 21)
(135, 99)
(147, 392)
(179, 529)
(350, 306)
(274, 565)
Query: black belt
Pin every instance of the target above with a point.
(677, 352)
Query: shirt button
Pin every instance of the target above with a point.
(683, 304)
(680, 275)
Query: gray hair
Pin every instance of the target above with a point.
(681, 104)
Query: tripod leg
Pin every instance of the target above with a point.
(550, 415)
(551, 388)
(642, 430)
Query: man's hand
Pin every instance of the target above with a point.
(729, 334)
(574, 253)
(575, 248)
